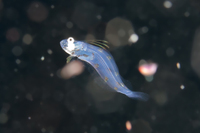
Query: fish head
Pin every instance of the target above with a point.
(70, 46)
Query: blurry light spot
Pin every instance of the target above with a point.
(142, 62)
(182, 87)
(121, 33)
(133, 38)
(49, 51)
(69, 25)
(128, 125)
(37, 12)
(73, 68)
(187, 14)
(149, 78)
(18, 61)
(16, 97)
(143, 30)
(178, 65)
(153, 117)
(160, 98)
(17, 50)
(1, 5)
(170, 51)
(43, 130)
(27, 39)
(29, 97)
(51, 74)
(29, 118)
(167, 4)
(148, 69)
(93, 129)
(12, 35)
(98, 16)
(90, 37)
(52, 6)
(153, 23)
(3, 118)
(115, 40)
(118, 31)
(15, 70)
(42, 58)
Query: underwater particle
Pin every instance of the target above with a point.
(73, 68)
(17, 50)
(43, 130)
(187, 14)
(160, 98)
(98, 16)
(144, 30)
(18, 61)
(93, 129)
(27, 39)
(141, 126)
(167, 4)
(51, 75)
(149, 78)
(29, 118)
(49, 51)
(128, 125)
(133, 38)
(182, 87)
(178, 65)
(52, 6)
(29, 97)
(148, 69)
(89, 37)
(12, 34)
(37, 12)
(118, 31)
(69, 25)
(3, 118)
(42, 58)
(170, 51)
(15, 70)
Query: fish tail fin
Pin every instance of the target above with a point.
(138, 95)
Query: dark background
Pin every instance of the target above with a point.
(34, 98)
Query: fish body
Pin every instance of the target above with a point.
(103, 62)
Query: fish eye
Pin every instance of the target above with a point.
(70, 40)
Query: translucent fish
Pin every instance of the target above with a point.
(95, 53)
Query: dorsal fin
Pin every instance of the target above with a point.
(99, 43)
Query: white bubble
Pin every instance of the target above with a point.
(167, 4)
(133, 38)
(42, 58)
(178, 65)
(182, 87)
(17, 50)
(27, 39)
(69, 25)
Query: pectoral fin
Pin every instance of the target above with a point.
(69, 58)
